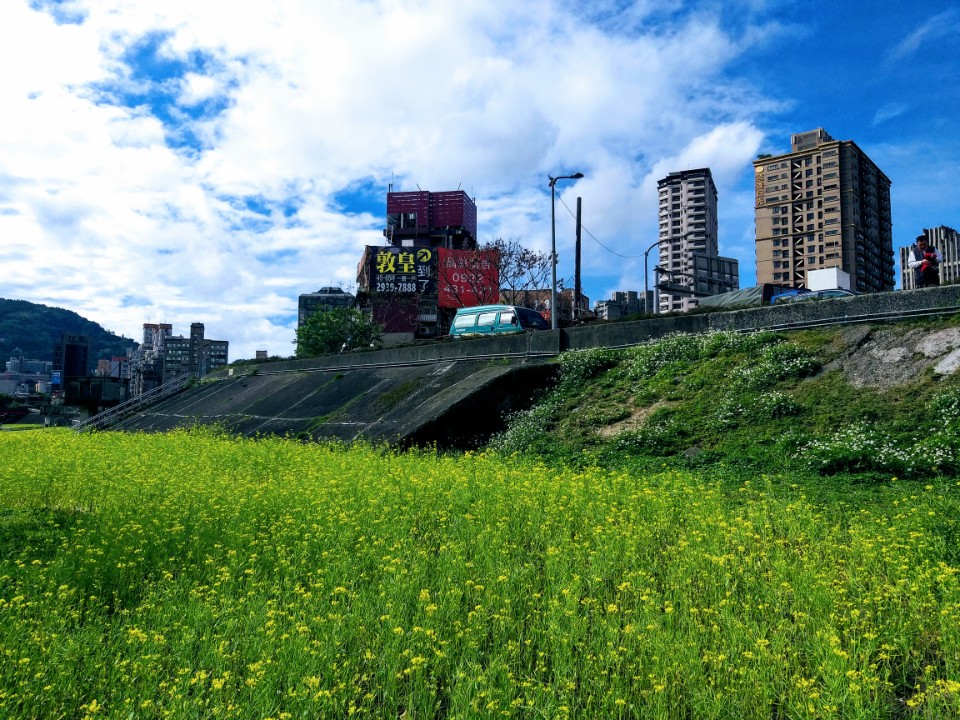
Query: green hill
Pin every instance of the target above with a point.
(34, 329)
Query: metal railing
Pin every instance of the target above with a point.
(135, 404)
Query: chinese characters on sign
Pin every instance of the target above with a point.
(467, 278)
(403, 271)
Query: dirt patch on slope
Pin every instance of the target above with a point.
(638, 417)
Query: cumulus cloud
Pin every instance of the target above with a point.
(180, 161)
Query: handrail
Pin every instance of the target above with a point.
(134, 404)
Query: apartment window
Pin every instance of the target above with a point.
(778, 276)
(776, 263)
(777, 253)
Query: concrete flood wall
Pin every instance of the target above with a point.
(455, 393)
(946, 299)
(444, 403)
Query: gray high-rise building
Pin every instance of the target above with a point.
(825, 204)
(687, 229)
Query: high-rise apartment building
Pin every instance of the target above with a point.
(688, 228)
(163, 356)
(825, 204)
(947, 241)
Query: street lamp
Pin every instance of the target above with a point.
(553, 244)
(646, 289)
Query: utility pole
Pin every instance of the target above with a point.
(576, 272)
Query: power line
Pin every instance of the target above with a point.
(584, 229)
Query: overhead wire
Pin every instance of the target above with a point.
(594, 238)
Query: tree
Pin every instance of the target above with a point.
(524, 273)
(329, 331)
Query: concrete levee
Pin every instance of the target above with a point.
(447, 403)
(612, 334)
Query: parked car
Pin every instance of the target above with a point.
(496, 320)
(803, 295)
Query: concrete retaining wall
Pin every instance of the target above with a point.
(613, 334)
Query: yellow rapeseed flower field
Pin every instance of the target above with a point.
(196, 575)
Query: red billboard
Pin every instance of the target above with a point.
(466, 278)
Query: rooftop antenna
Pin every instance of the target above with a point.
(419, 188)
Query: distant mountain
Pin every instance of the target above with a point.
(35, 328)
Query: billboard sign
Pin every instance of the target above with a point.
(402, 270)
(467, 278)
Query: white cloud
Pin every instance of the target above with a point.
(944, 24)
(113, 219)
(889, 111)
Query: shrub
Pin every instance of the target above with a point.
(860, 448)
(579, 365)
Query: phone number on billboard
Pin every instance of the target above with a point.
(396, 286)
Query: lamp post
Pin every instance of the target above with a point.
(646, 290)
(553, 244)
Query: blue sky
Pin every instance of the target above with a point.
(181, 161)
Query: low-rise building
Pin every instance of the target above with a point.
(622, 304)
(326, 298)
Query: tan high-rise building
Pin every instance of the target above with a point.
(823, 205)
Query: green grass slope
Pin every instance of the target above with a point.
(760, 403)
